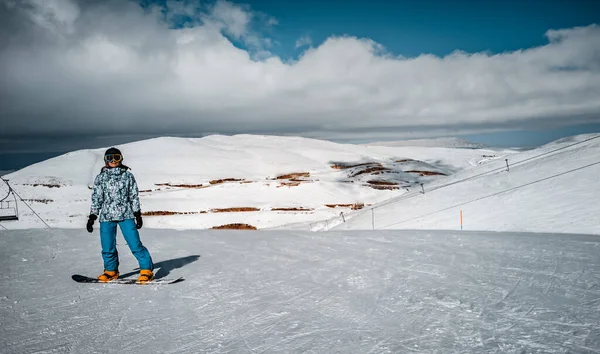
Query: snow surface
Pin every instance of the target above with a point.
(397, 291)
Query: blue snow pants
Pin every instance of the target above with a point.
(108, 240)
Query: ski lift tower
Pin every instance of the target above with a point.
(9, 210)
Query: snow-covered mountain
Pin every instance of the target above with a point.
(298, 183)
(261, 181)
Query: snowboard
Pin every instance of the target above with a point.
(83, 279)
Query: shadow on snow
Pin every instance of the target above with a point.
(166, 266)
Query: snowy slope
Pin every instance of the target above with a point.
(554, 188)
(188, 179)
(548, 189)
(301, 292)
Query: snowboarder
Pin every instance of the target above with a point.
(115, 201)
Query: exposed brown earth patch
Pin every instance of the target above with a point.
(369, 170)
(234, 210)
(43, 185)
(427, 173)
(382, 172)
(288, 184)
(163, 213)
(294, 175)
(355, 206)
(182, 185)
(343, 166)
(146, 191)
(236, 226)
(291, 209)
(218, 181)
(382, 183)
(404, 160)
(381, 187)
(222, 210)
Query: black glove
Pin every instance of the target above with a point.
(138, 219)
(90, 222)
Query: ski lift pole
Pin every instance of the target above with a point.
(373, 218)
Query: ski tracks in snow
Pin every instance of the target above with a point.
(288, 292)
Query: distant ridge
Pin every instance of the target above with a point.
(6, 172)
(450, 142)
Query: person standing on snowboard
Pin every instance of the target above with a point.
(115, 202)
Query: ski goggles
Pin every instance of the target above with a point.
(113, 158)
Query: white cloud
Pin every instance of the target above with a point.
(304, 41)
(111, 66)
(272, 21)
(235, 19)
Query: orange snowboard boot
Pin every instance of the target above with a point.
(146, 276)
(108, 275)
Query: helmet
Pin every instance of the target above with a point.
(113, 154)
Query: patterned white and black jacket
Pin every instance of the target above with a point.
(115, 195)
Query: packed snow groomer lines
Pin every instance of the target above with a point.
(115, 200)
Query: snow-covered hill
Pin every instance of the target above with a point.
(554, 188)
(261, 181)
(297, 183)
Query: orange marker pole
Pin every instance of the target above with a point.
(461, 227)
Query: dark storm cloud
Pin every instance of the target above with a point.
(79, 69)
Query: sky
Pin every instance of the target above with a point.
(88, 74)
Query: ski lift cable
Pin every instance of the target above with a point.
(24, 202)
(493, 194)
(413, 194)
(496, 170)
